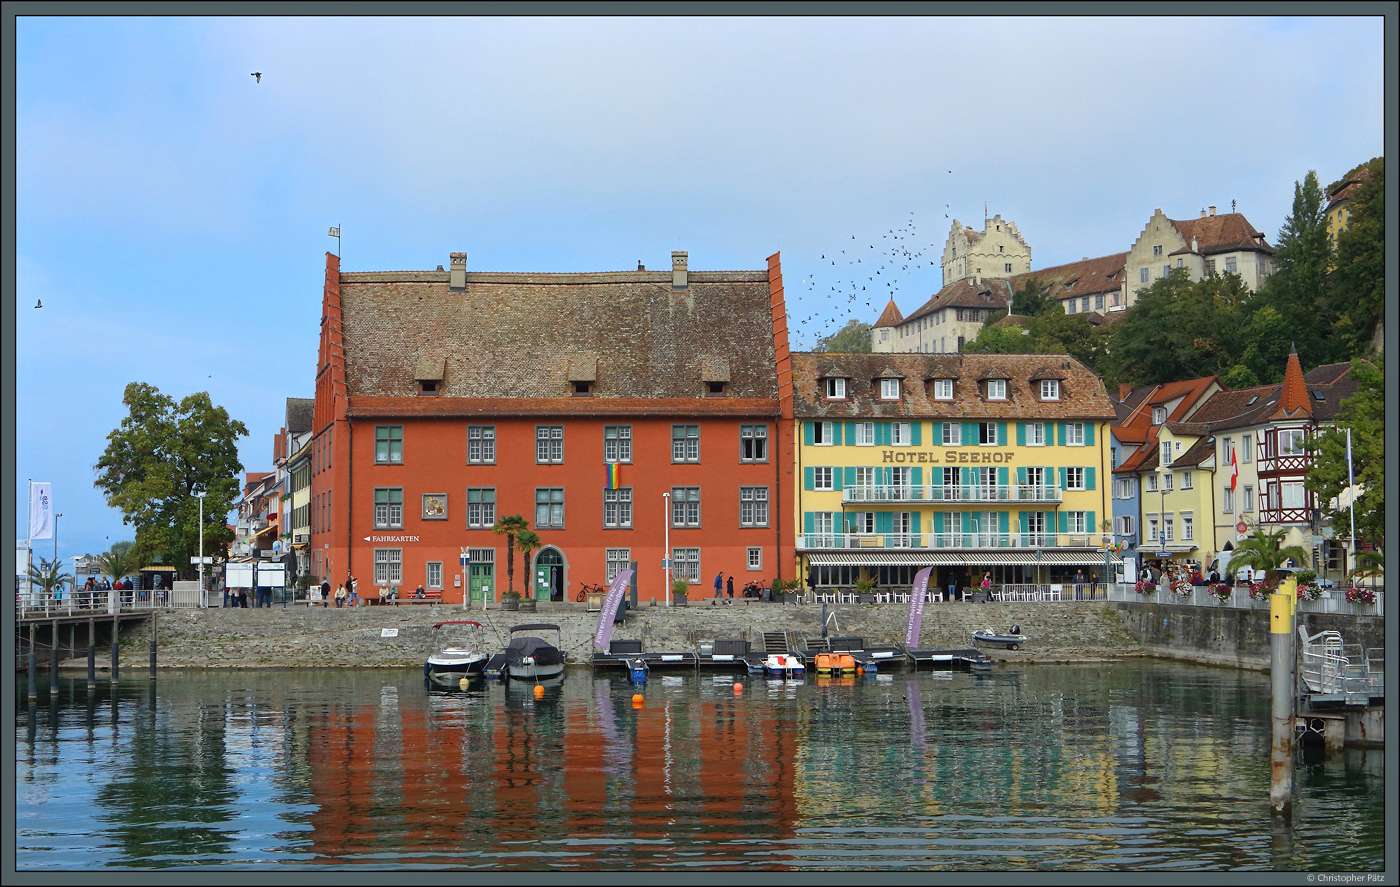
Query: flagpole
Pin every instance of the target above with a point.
(1351, 490)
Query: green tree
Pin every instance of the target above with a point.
(1055, 332)
(1265, 552)
(48, 576)
(527, 541)
(853, 338)
(509, 526)
(1298, 290)
(1358, 279)
(1032, 299)
(1364, 414)
(1178, 329)
(1000, 338)
(122, 559)
(158, 458)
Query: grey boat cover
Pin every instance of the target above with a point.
(527, 646)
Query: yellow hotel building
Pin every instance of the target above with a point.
(968, 463)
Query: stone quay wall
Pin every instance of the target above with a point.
(317, 637)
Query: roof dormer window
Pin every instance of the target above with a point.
(835, 388)
(942, 389)
(889, 389)
(1159, 415)
(1049, 389)
(996, 389)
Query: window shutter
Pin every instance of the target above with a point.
(1089, 478)
(914, 522)
(1001, 434)
(807, 433)
(882, 434)
(850, 472)
(850, 434)
(1064, 522)
(808, 522)
(807, 478)
(1020, 434)
(1060, 431)
(1088, 434)
(915, 433)
(938, 523)
(884, 522)
(969, 434)
(1061, 469)
(1005, 521)
(916, 476)
(836, 479)
(1025, 522)
(1021, 475)
(1089, 523)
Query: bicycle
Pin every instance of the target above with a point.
(585, 590)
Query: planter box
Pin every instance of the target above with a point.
(680, 600)
(510, 603)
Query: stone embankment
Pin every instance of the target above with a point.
(297, 637)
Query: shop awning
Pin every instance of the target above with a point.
(878, 558)
(996, 557)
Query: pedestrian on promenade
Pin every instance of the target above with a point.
(352, 591)
(719, 582)
(952, 586)
(729, 586)
(1078, 583)
(986, 586)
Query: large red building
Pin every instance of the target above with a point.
(629, 416)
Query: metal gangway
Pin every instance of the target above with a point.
(1335, 672)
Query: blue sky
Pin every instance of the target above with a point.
(172, 212)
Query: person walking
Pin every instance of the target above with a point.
(986, 586)
(952, 586)
(1078, 583)
(729, 587)
(352, 591)
(719, 582)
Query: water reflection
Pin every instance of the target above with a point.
(1135, 766)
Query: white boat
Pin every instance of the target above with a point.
(458, 654)
(1011, 640)
(527, 657)
(783, 665)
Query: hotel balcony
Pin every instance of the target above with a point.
(946, 541)
(940, 494)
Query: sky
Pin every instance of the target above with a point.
(171, 210)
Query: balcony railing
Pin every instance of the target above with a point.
(950, 541)
(943, 493)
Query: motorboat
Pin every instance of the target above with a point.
(637, 669)
(835, 663)
(1011, 640)
(527, 656)
(458, 656)
(784, 665)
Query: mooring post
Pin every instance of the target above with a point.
(116, 633)
(33, 680)
(92, 653)
(154, 616)
(1281, 606)
(53, 657)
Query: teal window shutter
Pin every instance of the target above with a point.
(1001, 435)
(938, 520)
(1089, 522)
(836, 479)
(1089, 478)
(807, 433)
(1025, 522)
(808, 522)
(916, 476)
(916, 433)
(935, 434)
(1005, 521)
(914, 522)
(807, 478)
(850, 439)
(1001, 475)
(969, 434)
(850, 472)
(1020, 434)
(884, 522)
(1064, 522)
(1088, 434)
(1059, 434)
(1021, 475)
(882, 434)
(1061, 469)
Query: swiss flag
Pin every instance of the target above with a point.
(1234, 470)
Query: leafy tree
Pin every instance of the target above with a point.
(1178, 329)
(853, 338)
(158, 458)
(1055, 332)
(1267, 340)
(122, 559)
(1364, 414)
(1032, 299)
(1000, 338)
(510, 526)
(1358, 279)
(1265, 552)
(48, 576)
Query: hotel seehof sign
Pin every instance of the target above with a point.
(948, 457)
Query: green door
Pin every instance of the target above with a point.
(480, 582)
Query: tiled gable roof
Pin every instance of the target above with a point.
(1326, 386)
(1198, 452)
(890, 316)
(298, 417)
(1222, 233)
(1082, 396)
(1086, 277)
(991, 293)
(527, 336)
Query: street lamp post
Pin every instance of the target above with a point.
(666, 555)
(203, 598)
(55, 538)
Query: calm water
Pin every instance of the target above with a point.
(1144, 766)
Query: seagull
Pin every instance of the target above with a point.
(39, 303)
(257, 76)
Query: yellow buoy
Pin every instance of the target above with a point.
(462, 683)
(636, 699)
(539, 691)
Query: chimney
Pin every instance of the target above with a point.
(1194, 247)
(678, 270)
(1203, 214)
(1212, 211)
(1124, 389)
(457, 277)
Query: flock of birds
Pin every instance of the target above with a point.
(870, 280)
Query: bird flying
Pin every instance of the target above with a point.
(39, 303)
(257, 76)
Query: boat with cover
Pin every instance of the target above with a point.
(458, 654)
(784, 665)
(1011, 640)
(527, 656)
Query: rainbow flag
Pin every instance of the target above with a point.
(614, 479)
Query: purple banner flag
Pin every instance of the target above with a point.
(609, 611)
(915, 622)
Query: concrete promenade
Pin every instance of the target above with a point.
(302, 636)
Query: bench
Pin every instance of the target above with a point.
(429, 597)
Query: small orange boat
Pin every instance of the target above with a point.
(836, 663)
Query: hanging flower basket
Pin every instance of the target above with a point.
(1357, 595)
(1309, 591)
(1260, 591)
(1181, 588)
(1145, 586)
(1220, 592)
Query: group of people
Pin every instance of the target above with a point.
(347, 593)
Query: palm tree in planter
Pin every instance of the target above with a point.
(527, 541)
(120, 561)
(1265, 553)
(508, 526)
(48, 577)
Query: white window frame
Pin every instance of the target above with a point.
(889, 389)
(1074, 434)
(822, 478)
(481, 511)
(388, 514)
(865, 434)
(996, 389)
(617, 508)
(616, 560)
(388, 450)
(942, 389)
(617, 443)
(432, 574)
(952, 434)
(1188, 526)
(549, 444)
(835, 388)
(481, 440)
(1159, 415)
(1077, 522)
(753, 443)
(685, 564)
(1074, 477)
(1227, 500)
(1049, 389)
(753, 559)
(1035, 434)
(685, 445)
(388, 567)
(1186, 482)
(1247, 500)
(1292, 494)
(685, 507)
(753, 506)
(1152, 482)
(1295, 438)
(987, 434)
(901, 434)
(823, 434)
(1246, 448)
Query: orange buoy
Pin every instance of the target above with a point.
(738, 688)
(636, 699)
(539, 690)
